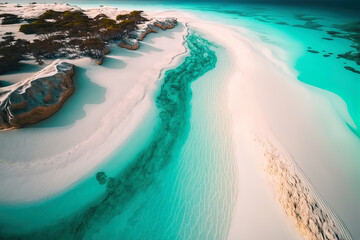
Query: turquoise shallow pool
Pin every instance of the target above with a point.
(180, 181)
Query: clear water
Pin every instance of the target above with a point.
(169, 181)
(295, 29)
(180, 180)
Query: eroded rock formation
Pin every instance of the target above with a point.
(132, 43)
(36, 98)
(100, 61)
(167, 23)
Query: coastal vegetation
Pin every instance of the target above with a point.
(65, 34)
(12, 52)
(7, 18)
(135, 16)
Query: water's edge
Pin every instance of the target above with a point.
(173, 103)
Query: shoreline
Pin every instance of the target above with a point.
(35, 177)
(258, 106)
(255, 203)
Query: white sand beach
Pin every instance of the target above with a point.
(270, 110)
(268, 102)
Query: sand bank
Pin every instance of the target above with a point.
(268, 102)
(255, 207)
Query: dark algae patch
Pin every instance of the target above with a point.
(312, 51)
(101, 178)
(282, 23)
(352, 69)
(309, 22)
(173, 103)
(350, 31)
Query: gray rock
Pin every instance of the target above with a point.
(36, 98)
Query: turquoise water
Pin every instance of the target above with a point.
(299, 29)
(169, 181)
(296, 29)
(180, 181)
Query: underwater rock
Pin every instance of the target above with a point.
(352, 69)
(101, 178)
(36, 98)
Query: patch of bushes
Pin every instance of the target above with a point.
(99, 16)
(39, 27)
(134, 16)
(63, 33)
(11, 53)
(93, 47)
(45, 49)
(8, 18)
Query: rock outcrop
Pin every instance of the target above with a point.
(132, 43)
(100, 61)
(148, 29)
(36, 98)
(167, 23)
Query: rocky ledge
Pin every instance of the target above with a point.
(36, 98)
(167, 23)
(132, 43)
(106, 52)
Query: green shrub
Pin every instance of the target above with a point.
(8, 18)
(93, 47)
(134, 16)
(50, 14)
(40, 26)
